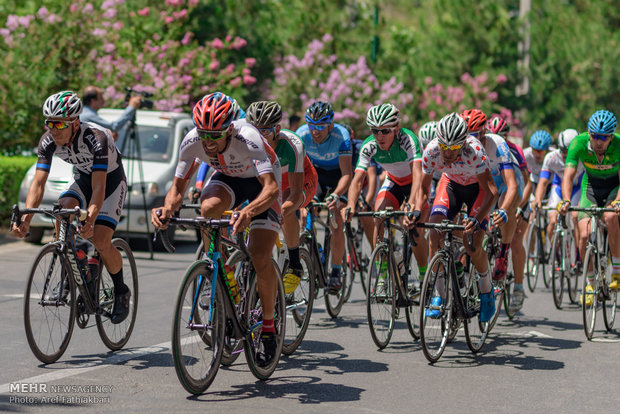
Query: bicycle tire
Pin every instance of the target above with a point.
(572, 281)
(233, 346)
(476, 332)
(589, 312)
(532, 258)
(299, 305)
(557, 270)
(380, 301)
(434, 331)
(609, 303)
(197, 352)
(115, 336)
(333, 303)
(507, 297)
(254, 317)
(55, 269)
(350, 268)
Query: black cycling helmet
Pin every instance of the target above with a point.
(320, 113)
(264, 114)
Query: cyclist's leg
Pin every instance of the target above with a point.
(217, 196)
(613, 234)
(260, 246)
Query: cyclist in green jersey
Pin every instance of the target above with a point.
(398, 152)
(599, 151)
(299, 179)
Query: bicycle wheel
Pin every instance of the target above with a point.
(557, 269)
(572, 278)
(380, 304)
(299, 306)
(611, 298)
(254, 320)
(115, 336)
(49, 322)
(435, 319)
(533, 261)
(197, 342)
(508, 289)
(350, 268)
(589, 309)
(475, 331)
(333, 303)
(412, 312)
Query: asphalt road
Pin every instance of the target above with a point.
(539, 362)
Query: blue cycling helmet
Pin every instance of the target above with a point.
(320, 113)
(602, 122)
(540, 140)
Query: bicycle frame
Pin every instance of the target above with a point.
(309, 235)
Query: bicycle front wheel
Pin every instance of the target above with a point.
(380, 304)
(299, 306)
(49, 305)
(611, 299)
(557, 270)
(115, 336)
(435, 308)
(589, 298)
(475, 331)
(508, 289)
(534, 263)
(198, 329)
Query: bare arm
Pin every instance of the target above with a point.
(296, 193)
(541, 188)
(372, 185)
(567, 182)
(355, 189)
(511, 188)
(262, 202)
(527, 190)
(33, 200)
(96, 201)
(486, 183)
(347, 172)
(416, 177)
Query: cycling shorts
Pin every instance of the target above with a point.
(556, 196)
(596, 192)
(451, 196)
(309, 186)
(115, 191)
(328, 181)
(394, 193)
(242, 189)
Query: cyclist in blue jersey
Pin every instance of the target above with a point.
(328, 146)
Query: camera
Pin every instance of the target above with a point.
(145, 103)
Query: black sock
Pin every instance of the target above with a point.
(119, 285)
(293, 255)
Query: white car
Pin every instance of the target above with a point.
(159, 136)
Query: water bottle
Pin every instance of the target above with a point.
(321, 254)
(232, 284)
(83, 263)
(460, 271)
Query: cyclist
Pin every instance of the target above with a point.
(246, 169)
(497, 125)
(99, 183)
(426, 134)
(599, 151)
(553, 171)
(397, 150)
(466, 179)
(508, 180)
(540, 141)
(299, 179)
(328, 146)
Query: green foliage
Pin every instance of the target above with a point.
(12, 172)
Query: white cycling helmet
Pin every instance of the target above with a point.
(451, 129)
(65, 104)
(427, 133)
(565, 137)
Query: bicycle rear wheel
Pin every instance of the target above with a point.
(557, 270)
(254, 320)
(412, 312)
(589, 302)
(611, 300)
(198, 329)
(435, 319)
(49, 313)
(115, 336)
(475, 331)
(533, 261)
(380, 304)
(508, 289)
(333, 303)
(299, 306)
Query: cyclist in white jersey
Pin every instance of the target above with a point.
(247, 169)
(466, 179)
(540, 141)
(99, 184)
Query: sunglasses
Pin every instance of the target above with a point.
(212, 135)
(475, 134)
(57, 124)
(537, 151)
(383, 131)
(266, 131)
(317, 127)
(600, 137)
(450, 147)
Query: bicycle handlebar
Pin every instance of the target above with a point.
(54, 212)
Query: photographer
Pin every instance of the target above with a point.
(93, 101)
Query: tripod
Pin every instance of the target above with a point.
(134, 154)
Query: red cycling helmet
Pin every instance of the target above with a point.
(498, 125)
(475, 118)
(214, 112)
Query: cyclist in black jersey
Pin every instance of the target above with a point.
(99, 184)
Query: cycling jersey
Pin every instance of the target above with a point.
(553, 168)
(532, 165)
(397, 160)
(471, 161)
(92, 149)
(501, 158)
(517, 152)
(356, 148)
(293, 159)
(326, 155)
(580, 150)
(451, 196)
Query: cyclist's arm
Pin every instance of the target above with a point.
(416, 175)
(296, 194)
(421, 198)
(267, 196)
(541, 188)
(486, 183)
(98, 195)
(355, 189)
(345, 179)
(528, 188)
(567, 181)
(508, 174)
(35, 193)
(372, 185)
(173, 200)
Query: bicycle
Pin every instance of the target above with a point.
(502, 292)
(388, 287)
(598, 256)
(460, 302)
(57, 294)
(537, 250)
(320, 258)
(207, 318)
(563, 261)
(357, 259)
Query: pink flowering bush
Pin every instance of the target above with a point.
(112, 44)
